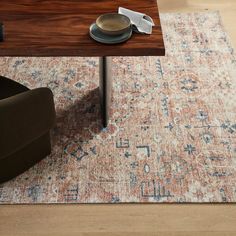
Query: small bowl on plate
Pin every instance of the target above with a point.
(113, 23)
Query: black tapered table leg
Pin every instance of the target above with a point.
(105, 88)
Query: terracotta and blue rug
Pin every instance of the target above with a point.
(172, 134)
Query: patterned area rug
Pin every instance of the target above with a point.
(172, 135)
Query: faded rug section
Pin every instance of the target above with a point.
(172, 136)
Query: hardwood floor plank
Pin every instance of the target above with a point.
(124, 218)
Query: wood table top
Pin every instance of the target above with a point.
(61, 28)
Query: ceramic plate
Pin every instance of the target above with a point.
(100, 37)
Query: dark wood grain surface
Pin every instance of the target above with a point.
(60, 28)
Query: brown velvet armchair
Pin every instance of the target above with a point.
(26, 117)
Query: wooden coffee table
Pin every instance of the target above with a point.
(61, 28)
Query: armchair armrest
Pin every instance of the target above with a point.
(24, 118)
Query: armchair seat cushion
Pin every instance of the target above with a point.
(25, 117)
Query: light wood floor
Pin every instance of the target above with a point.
(139, 220)
(227, 10)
